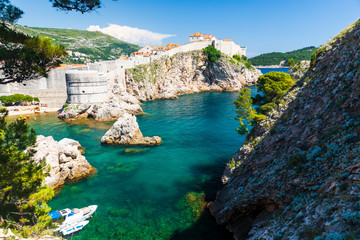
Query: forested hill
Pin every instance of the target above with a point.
(275, 58)
(85, 45)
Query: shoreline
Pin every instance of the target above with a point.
(271, 66)
(27, 110)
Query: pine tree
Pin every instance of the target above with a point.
(22, 193)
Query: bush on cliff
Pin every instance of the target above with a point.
(212, 53)
(22, 196)
(246, 114)
(244, 60)
(274, 85)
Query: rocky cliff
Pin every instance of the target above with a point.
(64, 158)
(165, 78)
(188, 72)
(298, 174)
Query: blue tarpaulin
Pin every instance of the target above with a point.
(54, 214)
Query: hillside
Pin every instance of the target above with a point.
(298, 174)
(84, 45)
(275, 58)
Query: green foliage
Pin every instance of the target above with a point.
(268, 107)
(274, 85)
(7, 100)
(245, 112)
(291, 62)
(275, 58)
(96, 45)
(244, 60)
(213, 54)
(23, 56)
(26, 57)
(22, 196)
(232, 164)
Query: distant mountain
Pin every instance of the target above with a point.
(85, 46)
(275, 58)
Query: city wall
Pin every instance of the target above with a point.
(92, 83)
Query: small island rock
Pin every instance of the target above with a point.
(64, 158)
(126, 131)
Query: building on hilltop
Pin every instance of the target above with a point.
(146, 49)
(201, 37)
(169, 46)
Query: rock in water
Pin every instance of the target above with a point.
(126, 131)
(64, 158)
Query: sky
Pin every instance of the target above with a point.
(260, 25)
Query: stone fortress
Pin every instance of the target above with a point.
(78, 84)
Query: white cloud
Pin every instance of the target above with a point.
(131, 35)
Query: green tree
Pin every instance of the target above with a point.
(274, 85)
(245, 112)
(291, 62)
(23, 57)
(213, 54)
(22, 196)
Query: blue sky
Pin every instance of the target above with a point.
(263, 26)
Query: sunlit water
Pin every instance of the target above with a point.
(138, 193)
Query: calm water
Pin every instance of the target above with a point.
(266, 70)
(139, 194)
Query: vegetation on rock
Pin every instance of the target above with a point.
(85, 46)
(273, 85)
(212, 53)
(243, 59)
(275, 58)
(24, 57)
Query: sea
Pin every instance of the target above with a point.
(154, 192)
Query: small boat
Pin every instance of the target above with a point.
(72, 216)
(77, 226)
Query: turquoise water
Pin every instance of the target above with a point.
(141, 194)
(267, 70)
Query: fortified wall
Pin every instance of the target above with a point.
(92, 83)
(50, 90)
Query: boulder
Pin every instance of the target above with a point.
(64, 158)
(126, 131)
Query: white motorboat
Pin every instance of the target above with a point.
(73, 216)
(77, 226)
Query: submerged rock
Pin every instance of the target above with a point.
(126, 131)
(64, 159)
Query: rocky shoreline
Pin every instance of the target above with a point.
(65, 160)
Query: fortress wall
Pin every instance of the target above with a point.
(86, 86)
(229, 48)
(194, 46)
(50, 90)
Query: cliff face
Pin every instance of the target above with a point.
(298, 174)
(184, 73)
(165, 78)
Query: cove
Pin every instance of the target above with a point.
(140, 193)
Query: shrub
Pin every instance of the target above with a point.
(213, 54)
(274, 85)
(269, 107)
